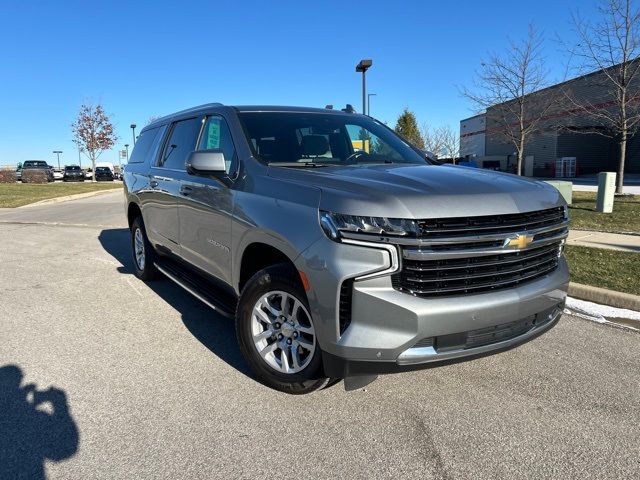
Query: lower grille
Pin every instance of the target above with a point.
(490, 335)
(451, 276)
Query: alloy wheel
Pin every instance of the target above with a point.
(138, 241)
(283, 332)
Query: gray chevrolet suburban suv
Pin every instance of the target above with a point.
(339, 249)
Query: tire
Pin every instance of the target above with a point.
(296, 334)
(144, 267)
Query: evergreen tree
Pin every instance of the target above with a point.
(407, 127)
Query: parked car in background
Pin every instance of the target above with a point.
(88, 173)
(36, 165)
(104, 174)
(18, 174)
(338, 261)
(58, 174)
(109, 165)
(73, 173)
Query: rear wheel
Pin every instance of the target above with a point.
(276, 333)
(143, 253)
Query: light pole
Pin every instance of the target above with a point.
(369, 102)
(133, 128)
(58, 152)
(126, 146)
(363, 66)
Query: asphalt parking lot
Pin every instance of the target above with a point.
(155, 387)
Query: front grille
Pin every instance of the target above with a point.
(490, 224)
(464, 255)
(475, 274)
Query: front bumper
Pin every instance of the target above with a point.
(389, 330)
(417, 358)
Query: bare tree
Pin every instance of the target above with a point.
(504, 87)
(611, 47)
(443, 141)
(93, 133)
(450, 142)
(432, 139)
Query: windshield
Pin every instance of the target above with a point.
(102, 170)
(72, 169)
(318, 139)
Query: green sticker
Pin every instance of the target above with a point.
(213, 135)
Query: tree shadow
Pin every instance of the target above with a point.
(214, 331)
(35, 425)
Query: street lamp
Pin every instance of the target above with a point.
(58, 152)
(133, 127)
(126, 146)
(369, 102)
(363, 66)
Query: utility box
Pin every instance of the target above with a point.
(606, 190)
(565, 189)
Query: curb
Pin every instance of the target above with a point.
(604, 296)
(632, 234)
(66, 198)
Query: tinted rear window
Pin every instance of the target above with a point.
(143, 146)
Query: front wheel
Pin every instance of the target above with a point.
(276, 333)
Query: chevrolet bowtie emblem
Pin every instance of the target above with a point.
(520, 241)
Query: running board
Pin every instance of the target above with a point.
(192, 282)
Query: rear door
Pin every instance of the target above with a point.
(207, 205)
(161, 219)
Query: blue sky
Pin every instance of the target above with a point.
(147, 58)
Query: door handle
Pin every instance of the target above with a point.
(153, 184)
(185, 190)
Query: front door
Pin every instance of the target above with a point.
(161, 212)
(206, 207)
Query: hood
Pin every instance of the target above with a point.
(422, 191)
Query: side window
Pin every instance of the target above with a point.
(181, 142)
(142, 149)
(216, 136)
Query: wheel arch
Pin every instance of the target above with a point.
(133, 211)
(258, 255)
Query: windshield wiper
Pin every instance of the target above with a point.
(296, 164)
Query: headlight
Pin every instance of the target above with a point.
(334, 223)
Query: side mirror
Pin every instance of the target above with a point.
(206, 162)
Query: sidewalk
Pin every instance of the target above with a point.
(610, 241)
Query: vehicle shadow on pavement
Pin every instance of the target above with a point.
(212, 330)
(35, 425)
